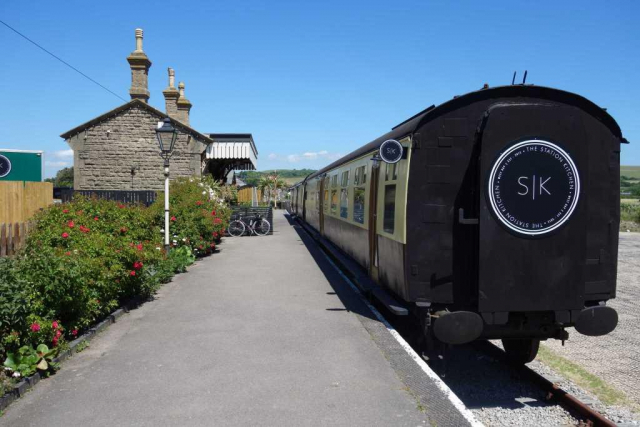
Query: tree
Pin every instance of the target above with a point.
(63, 178)
(270, 184)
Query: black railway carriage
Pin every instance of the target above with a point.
(500, 221)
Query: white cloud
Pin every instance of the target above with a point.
(58, 164)
(272, 156)
(63, 153)
(293, 158)
(308, 157)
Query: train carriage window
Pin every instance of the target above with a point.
(388, 223)
(358, 205)
(325, 202)
(344, 203)
(344, 181)
(334, 180)
(391, 172)
(334, 201)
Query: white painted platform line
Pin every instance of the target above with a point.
(455, 400)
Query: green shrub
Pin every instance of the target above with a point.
(85, 258)
(199, 215)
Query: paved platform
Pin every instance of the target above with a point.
(265, 332)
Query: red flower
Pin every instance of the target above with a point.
(198, 203)
(67, 253)
(123, 230)
(213, 245)
(54, 324)
(217, 220)
(65, 235)
(71, 224)
(74, 332)
(131, 244)
(213, 213)
(215, 234)
(132, 273)
(137, 265)
(65, 211)
(173, 218)
(121, 206)
(58, 333)
(139, 246)
(35, 327)
(54, 341)
(200, 247)
(84, 229)
(95, 218)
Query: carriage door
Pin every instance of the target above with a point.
(531, 222)
(373, 221)
(321, 202)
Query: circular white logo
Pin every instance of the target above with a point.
(5, 166)
(391, 151)
(533, 187)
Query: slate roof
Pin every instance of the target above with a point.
(136, 103)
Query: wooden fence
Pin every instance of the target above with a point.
(245, 195)
(13, 237)
(146, 197)
(19, 200)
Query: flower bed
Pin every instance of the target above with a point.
(86, 257)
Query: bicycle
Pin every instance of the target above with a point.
(256, 225)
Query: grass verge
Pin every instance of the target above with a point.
(606, 393)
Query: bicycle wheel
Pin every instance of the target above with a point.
(262, 227)
(236, 228)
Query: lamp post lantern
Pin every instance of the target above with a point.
(167, 135)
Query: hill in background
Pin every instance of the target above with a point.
(290, 176)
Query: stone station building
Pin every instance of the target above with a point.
(118, 150)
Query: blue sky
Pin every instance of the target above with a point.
(311, 81)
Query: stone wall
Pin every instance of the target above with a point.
(105, 153)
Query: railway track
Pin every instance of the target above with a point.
(586, 415)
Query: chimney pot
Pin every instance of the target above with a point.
(184, 106)
(171, 95)
(140, 65)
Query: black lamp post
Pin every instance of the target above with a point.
(167, 135)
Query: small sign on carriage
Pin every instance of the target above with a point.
(391, 151)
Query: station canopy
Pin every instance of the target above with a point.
(236, 150)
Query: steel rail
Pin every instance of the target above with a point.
(565, 399)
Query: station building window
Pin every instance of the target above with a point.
(388, 223)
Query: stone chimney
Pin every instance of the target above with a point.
(184, 106)
(139, 64)
(171, 96)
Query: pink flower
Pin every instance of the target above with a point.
(213, 245)
(173, 218)
(71, 224)
(132, 273)
(54, 341)
(54, 324)
(67, 253)
(139, 247)
(137, 265)
(215, 235)
(217, 220)
(84, 229)
(65, 235)
(95, 218)
(74, 332)
(58, 333)
(65, 211)
(35, 327)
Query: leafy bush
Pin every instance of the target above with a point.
(87, 257)
(199, 216)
